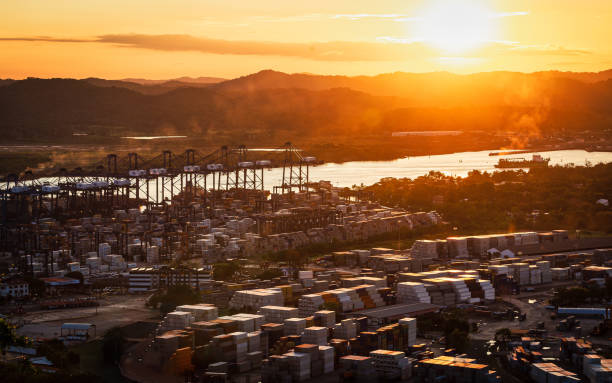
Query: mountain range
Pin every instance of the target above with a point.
(279, 106)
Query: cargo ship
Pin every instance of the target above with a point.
(515, 163)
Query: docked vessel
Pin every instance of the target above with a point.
(515, 163)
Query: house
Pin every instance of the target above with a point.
(16, 288)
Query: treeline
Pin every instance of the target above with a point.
(541, 199)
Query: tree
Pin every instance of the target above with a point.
(8, 337)
(36, 286)
(225, 271)
(270, 274)
(458, 340)
(503, 334)
(177, 295)
(113, 345)
(23, 372)
(58, 354)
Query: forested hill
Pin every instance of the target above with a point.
(286, 106)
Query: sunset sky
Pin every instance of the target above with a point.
(167, 39)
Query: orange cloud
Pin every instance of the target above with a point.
(384, 49)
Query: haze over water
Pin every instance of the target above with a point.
(457, 164)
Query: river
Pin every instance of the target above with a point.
(456, 164)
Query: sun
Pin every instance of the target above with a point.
(455, 26)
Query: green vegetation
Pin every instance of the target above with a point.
(113, 345)
(579, 295)
(23, 372)
(452, 323)
(541, 199)
(8, 337)
(93, 363)
(37, 287)
(18, 162)
(174, 296)
(59, 354)
(54, 350)
(502, 334)
(269, 273)
(225, 271)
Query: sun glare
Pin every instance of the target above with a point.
(455, 26)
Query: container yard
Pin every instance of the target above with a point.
(142, 227)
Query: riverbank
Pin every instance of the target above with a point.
(19, 157)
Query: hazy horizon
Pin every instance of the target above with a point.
(159, 40)
(205, 76)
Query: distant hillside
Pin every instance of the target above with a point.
(183, 80)
(279, 106)
(429, 89)
(154, 86)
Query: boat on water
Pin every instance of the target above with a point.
(507, 152)
(515, 163)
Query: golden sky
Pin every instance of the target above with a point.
(167, 39)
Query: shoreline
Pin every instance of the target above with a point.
(19, 157)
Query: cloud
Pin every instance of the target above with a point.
(48, 39)
(385, 48)
(361, 16)
(548, 50)
(405, 17)
(323, 51)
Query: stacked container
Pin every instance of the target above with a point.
(326, 318)
(545, 270)
(390, 364)
(408, 327)
(200, 312)
(177, 320)
(520, 273)
(560, 273)
(278, 314)
(315, 335)
(412, 292)
(294, 326)
(346, 329)
(299, 366)
(535, 275)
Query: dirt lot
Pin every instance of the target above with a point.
(116, 310)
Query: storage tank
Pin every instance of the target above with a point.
(264, 163)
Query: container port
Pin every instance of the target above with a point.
(134, 229)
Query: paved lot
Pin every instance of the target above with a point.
(534, 305)
(113, 311)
